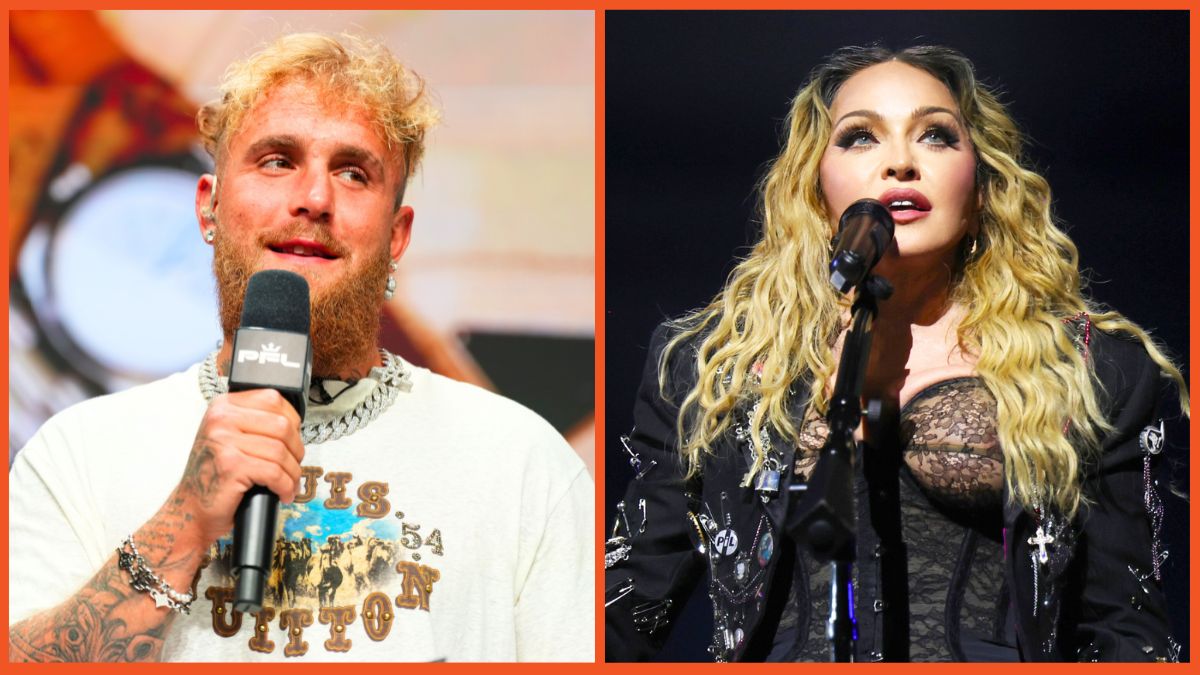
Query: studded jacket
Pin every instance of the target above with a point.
(1093, 595)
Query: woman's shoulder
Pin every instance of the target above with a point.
(1134, 390)
(1120, 358)
(672, 352)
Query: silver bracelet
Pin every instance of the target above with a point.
(143, 579)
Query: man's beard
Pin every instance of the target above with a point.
(344, 317)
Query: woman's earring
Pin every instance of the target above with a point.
(391, 282)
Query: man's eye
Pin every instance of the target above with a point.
(357, 175)
(276, 163)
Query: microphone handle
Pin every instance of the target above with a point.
(253, 543)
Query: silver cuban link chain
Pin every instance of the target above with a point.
(394, 378)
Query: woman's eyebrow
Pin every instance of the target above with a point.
(923, 111)
(927, 110)
(869, 114)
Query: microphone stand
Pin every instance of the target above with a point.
(825, 519)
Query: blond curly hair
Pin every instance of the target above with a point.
(355, 70)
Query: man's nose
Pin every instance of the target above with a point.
(313, 195)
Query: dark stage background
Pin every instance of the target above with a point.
(695, 103)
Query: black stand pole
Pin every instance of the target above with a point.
(825, 518)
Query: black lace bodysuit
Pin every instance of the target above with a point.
(936, 592)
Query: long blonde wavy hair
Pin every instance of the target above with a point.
(776, 321)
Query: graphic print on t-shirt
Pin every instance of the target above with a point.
(323, 557)
(336, 560)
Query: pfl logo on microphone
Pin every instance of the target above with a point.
(270, 353)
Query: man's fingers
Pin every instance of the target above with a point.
(268, 421)
(255, 471)
(272, 451)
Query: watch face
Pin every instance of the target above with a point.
(129, 277)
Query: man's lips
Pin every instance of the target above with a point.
(303, 248)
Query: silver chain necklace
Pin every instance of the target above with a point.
(394, 378)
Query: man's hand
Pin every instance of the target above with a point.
(246, 438)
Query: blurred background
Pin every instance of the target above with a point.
(694, 110)
(111, 284)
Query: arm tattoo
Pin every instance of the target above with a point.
(201, 475)
(107, 620)
(102, 622)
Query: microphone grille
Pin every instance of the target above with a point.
(872, 208)
(276, 300)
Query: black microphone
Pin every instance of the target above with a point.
(270, 351)
(864, 233)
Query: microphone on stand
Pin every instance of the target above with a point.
(271, 350)
(864, 233)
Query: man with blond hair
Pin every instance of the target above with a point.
(422, 519)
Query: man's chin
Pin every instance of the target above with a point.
(322, 274)
(345, 304)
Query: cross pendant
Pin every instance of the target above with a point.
(1040, 539)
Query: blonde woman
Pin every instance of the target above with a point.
(1019, 521)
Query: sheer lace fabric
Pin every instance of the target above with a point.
(950, 492)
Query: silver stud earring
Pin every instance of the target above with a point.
(209, 235)
(391, 282)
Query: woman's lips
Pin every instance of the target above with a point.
(906, 216)
(906, 205)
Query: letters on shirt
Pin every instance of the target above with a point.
(330, 577)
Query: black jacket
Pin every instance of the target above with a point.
(1097, 599)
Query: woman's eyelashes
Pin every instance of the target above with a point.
(934, 135)
(855, 136)
(940, 135)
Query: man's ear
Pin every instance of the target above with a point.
(401, 231)
(206, 202)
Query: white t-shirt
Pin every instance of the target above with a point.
(457, 525)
